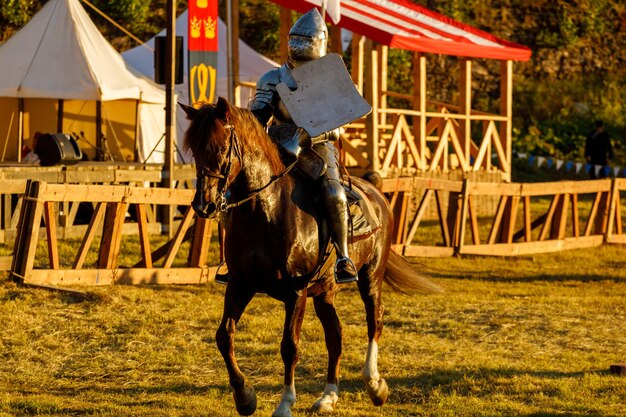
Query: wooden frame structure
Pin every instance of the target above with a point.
(15, 177)
(524, 219)
(112, 202)
(527, 218)
(431, 136)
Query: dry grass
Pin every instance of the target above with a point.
(509, 337)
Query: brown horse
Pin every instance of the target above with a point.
(273, 245)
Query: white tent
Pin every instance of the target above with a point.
(59, 66)
(251, 64)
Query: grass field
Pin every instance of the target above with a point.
(509, 337)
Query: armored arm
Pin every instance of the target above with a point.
(265, 97)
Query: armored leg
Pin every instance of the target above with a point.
(300, 140)
(336, 207)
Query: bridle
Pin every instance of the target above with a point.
(234, 151)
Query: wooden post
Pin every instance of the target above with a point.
(358, 46)
(506, 109)
(170, 113)
(26, 240)
(419, 103)
(613, 210)
(112, 235)
(285, 25)
(200, 244)
(335, 40)
(383, 53)
(465, 201)
(465, 105)
(371, 95)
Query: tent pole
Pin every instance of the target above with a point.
(170, 112)
(20, 128)
(60, 116)
(137, 130)
(229, 51)
(235, 51)
(99, 140)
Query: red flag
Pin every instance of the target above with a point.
(203, 46)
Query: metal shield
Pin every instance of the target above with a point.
(326, 97)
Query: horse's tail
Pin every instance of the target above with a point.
(401, 277)
(399, 274)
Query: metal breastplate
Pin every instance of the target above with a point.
(281, 114)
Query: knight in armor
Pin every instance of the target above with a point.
(307, 41)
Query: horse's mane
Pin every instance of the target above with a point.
(204, 128)
(257, 137)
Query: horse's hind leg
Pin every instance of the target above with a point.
(370, 289)
(235, 302)
(294, 314)
(327, 314)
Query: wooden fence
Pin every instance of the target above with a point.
(110, 217)
(14, 177)
(434, 217)
(528, 218)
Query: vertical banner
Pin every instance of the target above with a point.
(203, 46)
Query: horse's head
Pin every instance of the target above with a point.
(216, 149)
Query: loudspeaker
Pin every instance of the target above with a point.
(159, 60)
(57, 148)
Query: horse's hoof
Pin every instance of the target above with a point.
(245, 401)
(326, 404)
(378, 392)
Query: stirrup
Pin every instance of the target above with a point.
(347, 274)
(222, 277)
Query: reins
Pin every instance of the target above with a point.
(235, 147)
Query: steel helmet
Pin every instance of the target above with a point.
(308, 38)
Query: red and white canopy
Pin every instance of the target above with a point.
(404, 25)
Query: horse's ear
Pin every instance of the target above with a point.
(222, 108)
(189, 110)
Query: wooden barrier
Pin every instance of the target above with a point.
(110, 214)
(14, 177)
(528, 218)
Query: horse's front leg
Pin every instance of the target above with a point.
(235, 302)
(327, 315)
(294, 314)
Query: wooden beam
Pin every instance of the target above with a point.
(530, 248)
(130, 276)
(419, 103)
(371, 95)
(112, 235)
(179, 237)
(199, 250)
(96, 220)
(465, 104)
(144, 234)
(285, 22)
(506, 110)
(51, 232)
